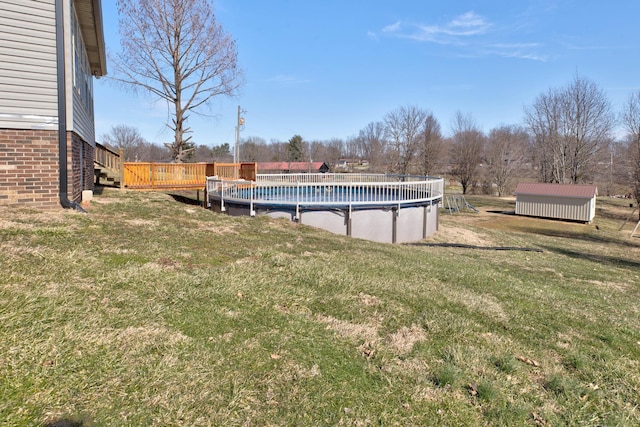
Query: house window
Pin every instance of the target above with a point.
(82, 80)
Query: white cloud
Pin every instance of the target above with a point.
(392, 28)
(471, 33)
(466, 25)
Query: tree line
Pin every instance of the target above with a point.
(179, 52)
(566, 137)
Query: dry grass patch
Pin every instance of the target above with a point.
(403, 340)
(450, 233)
(484, 304)
(349, 330)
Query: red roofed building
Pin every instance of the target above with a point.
(575, 202)
(292, 167)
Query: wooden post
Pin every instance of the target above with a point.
(121, 168)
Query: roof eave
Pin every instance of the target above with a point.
(90, 19)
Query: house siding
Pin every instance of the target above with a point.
(29, 155)
(28, 85)
(79, 84)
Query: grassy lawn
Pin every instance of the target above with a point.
(150, 311)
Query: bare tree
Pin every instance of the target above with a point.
(371, 145)
(431, 145)
(278, 150)
(630, 118)
(176, 50)
(550, 152)
(570, 126)
(505, 155)
(333, 151)
(402, 129)
(467, 144)
(126, 138)
(255, 149)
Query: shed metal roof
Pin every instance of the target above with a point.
(581, 191)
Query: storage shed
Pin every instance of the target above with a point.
(573, 202)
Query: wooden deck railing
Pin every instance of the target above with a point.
(108, 158)
(168, 176)
(245, 171)
(182, 176)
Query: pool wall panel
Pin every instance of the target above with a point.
(376, 225)
(331, 221)
(410, 225)
(432, 219)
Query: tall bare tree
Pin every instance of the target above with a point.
(630, 118)
(126, 138)
(371, 145)
(505, 155)
(176, 50)
(467, 144)
(402, 129)
(431, 145)
(334, 149)
(570, 126)
(544, 120)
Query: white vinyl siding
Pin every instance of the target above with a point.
(81, 84)
(28, 79)
(570, 208)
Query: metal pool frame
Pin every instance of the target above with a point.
(384, 208)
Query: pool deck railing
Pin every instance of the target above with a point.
(347, 191)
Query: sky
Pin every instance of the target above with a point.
(325, 69)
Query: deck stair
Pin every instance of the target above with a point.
(108, 166)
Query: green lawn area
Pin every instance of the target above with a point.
(150, 311)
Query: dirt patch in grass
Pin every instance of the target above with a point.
(451, 233)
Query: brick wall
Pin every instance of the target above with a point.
(29, 168)
(80, 158)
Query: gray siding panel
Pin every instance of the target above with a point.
(28, 94)
(575, 209)
(83, 123)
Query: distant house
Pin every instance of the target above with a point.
(350, 164)
(50, 50)
(559, 201)
(292, 167)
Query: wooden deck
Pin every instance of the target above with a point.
(182, 176)
(153, 176)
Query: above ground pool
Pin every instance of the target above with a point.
(383, 208)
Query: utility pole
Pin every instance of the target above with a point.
(236, 148)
